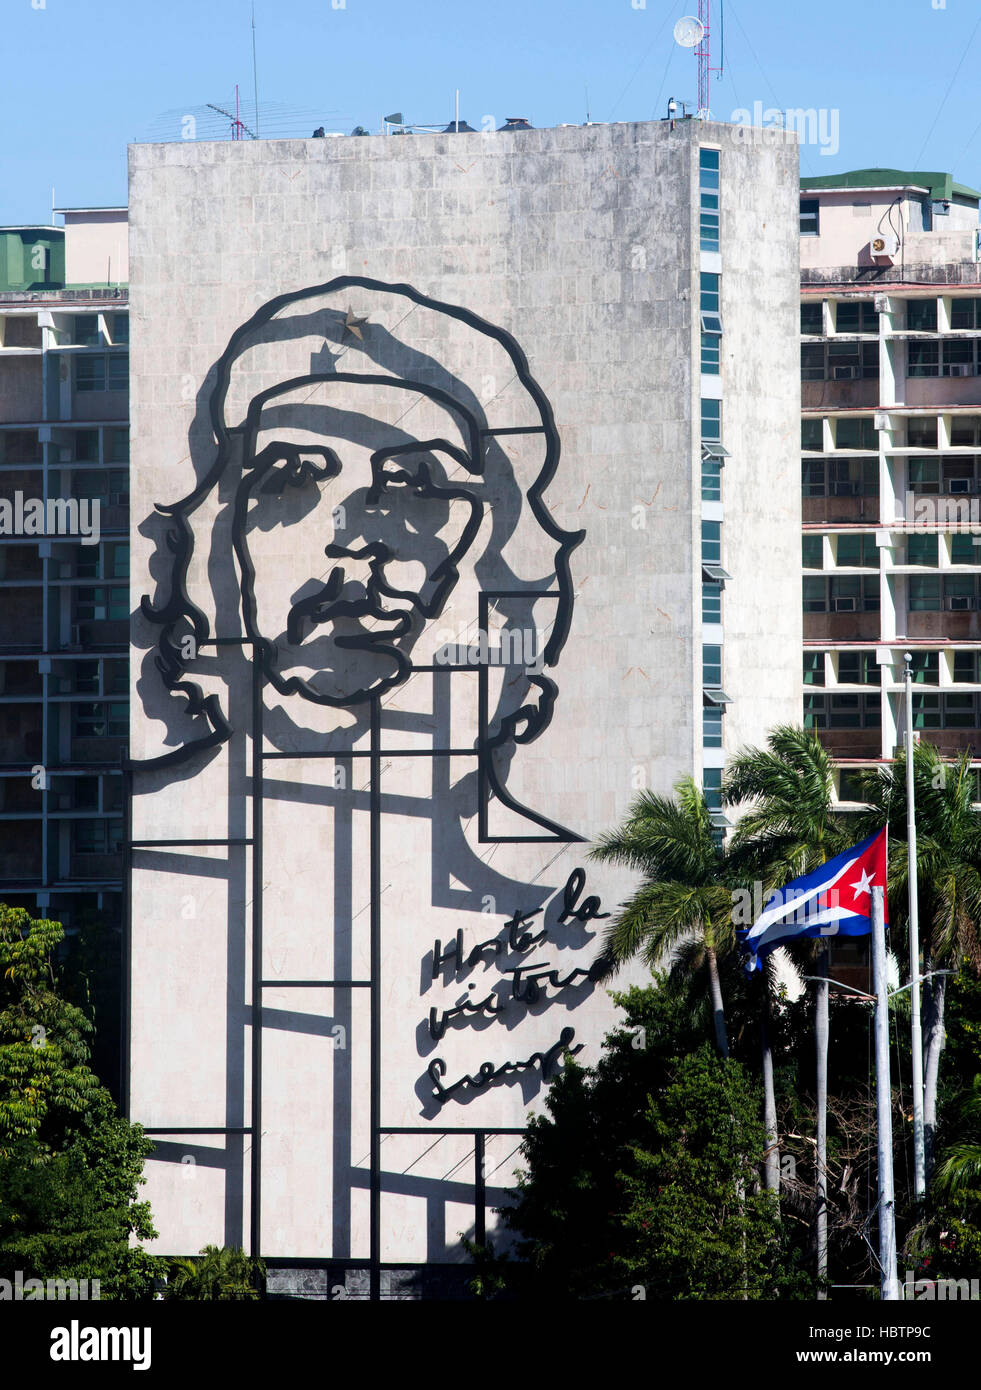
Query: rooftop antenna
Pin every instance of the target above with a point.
(689, 33)
(239, 128)
(588, 121)
(702, 53)
(255, 76)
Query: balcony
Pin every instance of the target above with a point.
(829, 510)
(95, 866)
(943, 626)
(98, 749)
(851, 743)
(857, 394)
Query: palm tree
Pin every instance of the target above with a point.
(948, 867)
(959, 1171)
(788, 828)
(223, 1274)
(685, 902)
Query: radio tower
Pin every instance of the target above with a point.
(705, 68)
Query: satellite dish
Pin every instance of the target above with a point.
(689, 31)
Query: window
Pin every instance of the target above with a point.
(811, 319)
(96, 605)
(832, 361)
(814, 668)
(812, 552)
(103, 373)
(710, 303)
(117, 562)
(964, 313)
(960, 592)
(708, 186)
(116, 678)
(809, 214)
(97, 836)
(925, 668)
(924, 475)
(857, 432)
(90, 374)
(712, 788)
(921, 433)
(965, 430)
(948, 357)
(120, 328)
(101, 720)
(711, 666)
(85, 330)
(712, 726)
(921, 549)
(711, 355)
(923, 593)
(711, 480)
(857, 551)
(711, 602)
(87, 446)
(966, 668)
(117, 446)
(86, 677)
(711, 542)
(711, 419)
(118, 374)
(842, 711)
(812, 436)
(849, 787)
(945, 711)
(921, 315)
(851, 594)
(857, 316)
(965, 549)
(858, 668)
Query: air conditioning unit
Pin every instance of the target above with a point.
(844, 605)
(846, 373)
(844, 489)
(960, 369)
(960, 603)
(881, 302)
(960, 485)
(881, 420)
(885, 247)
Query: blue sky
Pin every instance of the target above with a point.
(82, 78)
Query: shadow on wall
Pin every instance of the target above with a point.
(304, 466)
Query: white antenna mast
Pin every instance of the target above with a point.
(255, 76)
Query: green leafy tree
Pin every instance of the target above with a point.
(639, 1181)
(70, 1168)
(222, 1274)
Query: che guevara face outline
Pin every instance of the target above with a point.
(351, 616)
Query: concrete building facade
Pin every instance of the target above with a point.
(463, 512)
(891, 439)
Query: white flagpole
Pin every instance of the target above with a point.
(915, 969)
(821, 1156)
(889, 1278)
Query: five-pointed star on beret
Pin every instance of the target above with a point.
(353, 325)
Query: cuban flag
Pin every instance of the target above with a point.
(832, 900)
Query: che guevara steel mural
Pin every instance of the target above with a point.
(385, 521)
